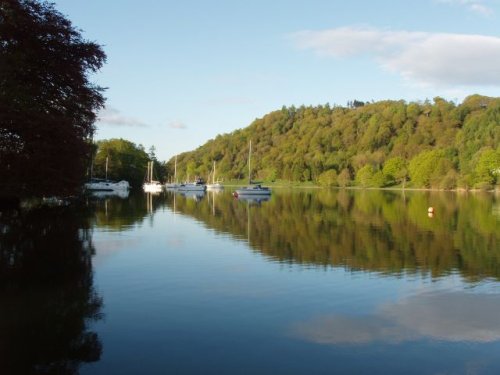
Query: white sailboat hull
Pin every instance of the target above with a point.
(215, 186)
(151, 187)
(106, 185)
(191, 187)
(254, 190)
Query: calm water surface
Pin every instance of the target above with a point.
(308, 282)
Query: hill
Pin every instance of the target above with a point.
(436, 144)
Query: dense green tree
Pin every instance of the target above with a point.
(428, 167)
(364, 176)
(487, 168)
(48, 104)
(328, 178)
(125, 160)
(395, 171)
(299, 144)
(344, 178)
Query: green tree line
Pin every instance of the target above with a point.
(125, 161)
(436, 144)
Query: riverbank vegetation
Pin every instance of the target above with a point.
(125, 161)
(48, 108)
(48, 103)
(436, 144)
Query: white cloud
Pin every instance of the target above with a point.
(476, 6)
(177, 125)
(429, 59)
(452, 317)
(112, 116)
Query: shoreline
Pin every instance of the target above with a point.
(311, 186)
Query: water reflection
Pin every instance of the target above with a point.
(123, 194)
(387, 232)
(332, 269)
(254, 199)
(452, 317)
(116, 214)
(195, 195)
(47, 299)
(369, 230)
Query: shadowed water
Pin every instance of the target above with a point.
(308, 281)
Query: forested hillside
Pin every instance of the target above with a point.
(435, 144)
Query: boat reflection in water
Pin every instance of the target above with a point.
(122, 194)
(253, 199)
(196, 195)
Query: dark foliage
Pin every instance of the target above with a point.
(47, 103)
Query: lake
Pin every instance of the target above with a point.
(307, 282)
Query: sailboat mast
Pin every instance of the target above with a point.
(213, 175)
(175, 169)
(249, 167)
(106, 167)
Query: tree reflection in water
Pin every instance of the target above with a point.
(372, 230)
(47, 297)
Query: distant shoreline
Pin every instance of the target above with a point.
(312, 186)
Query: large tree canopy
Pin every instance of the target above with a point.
(48, 104)
(437, 144)
(126, 161)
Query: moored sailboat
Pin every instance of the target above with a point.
(252, 189)
(174, 184)
(151, 185)
(103, 184)
(214, 185)
(197, 185)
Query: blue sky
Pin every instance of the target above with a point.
(181, 72)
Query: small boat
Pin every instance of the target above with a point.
(252, 189)
(214, 185)
(173, 185)
(197, 185)
(101, 184)
(150, 185)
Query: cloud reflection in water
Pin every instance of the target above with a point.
(452, 317)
